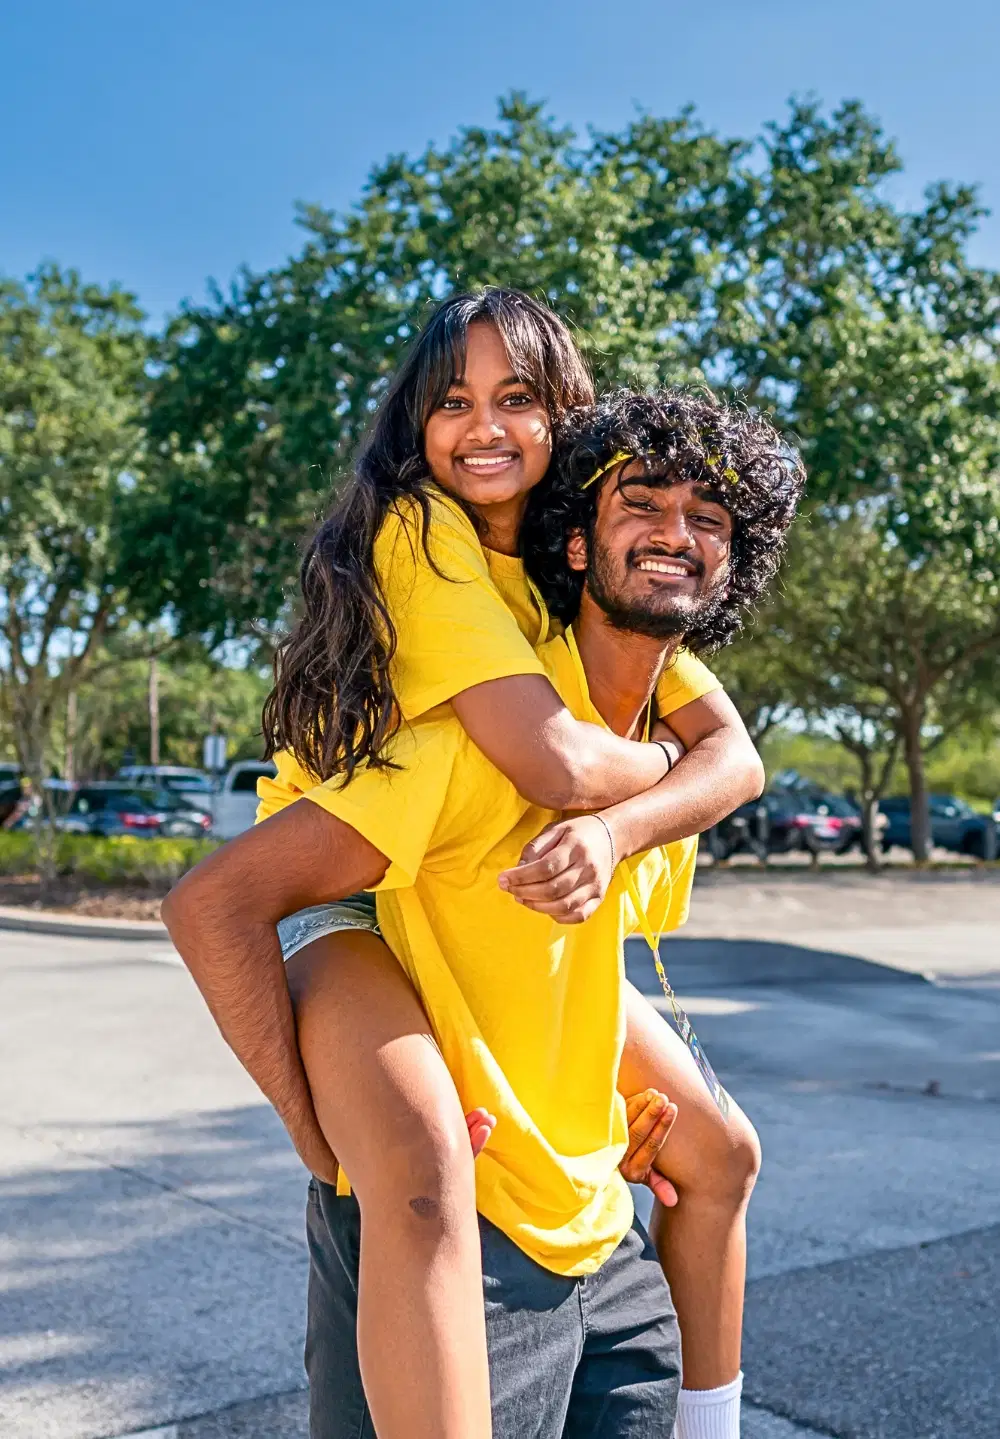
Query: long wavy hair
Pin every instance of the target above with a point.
(678, 435)
(333, 704)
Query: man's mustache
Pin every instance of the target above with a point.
(697, 566)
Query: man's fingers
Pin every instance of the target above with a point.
(651, 1116)
(662, 1189)
(481, 1125)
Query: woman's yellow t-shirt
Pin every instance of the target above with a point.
(462, 617)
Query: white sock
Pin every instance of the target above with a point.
(710, 1413)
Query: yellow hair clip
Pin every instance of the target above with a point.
(616, 459)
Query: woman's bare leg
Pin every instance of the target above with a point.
(713, 1164)
(390, 1111)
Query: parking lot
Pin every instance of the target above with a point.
(153, 1259)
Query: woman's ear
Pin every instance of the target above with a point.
(576, 551)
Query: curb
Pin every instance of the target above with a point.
(41, 921)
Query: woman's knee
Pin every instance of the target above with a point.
(421, 1176)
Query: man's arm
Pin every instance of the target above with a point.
(720, 771)
(222, 917)
(566, 870)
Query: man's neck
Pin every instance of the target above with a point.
(621, 668)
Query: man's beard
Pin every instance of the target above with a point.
(658, 617)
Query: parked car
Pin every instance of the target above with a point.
(955, 825)
(191, 784)
(236, 801)
(10, 789)
(800, 816)
(115, 809)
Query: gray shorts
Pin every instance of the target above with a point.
(357, 911)
(593, 1358)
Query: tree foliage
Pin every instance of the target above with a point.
(71, 371)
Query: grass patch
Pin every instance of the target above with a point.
(124, 860)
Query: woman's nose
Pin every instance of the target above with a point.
(485, 426)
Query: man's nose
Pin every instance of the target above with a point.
(671, 530)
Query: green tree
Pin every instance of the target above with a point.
(71, 368)
(888, 652)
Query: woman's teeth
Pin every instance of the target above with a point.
(482, 463)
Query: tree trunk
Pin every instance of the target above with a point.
(154, 712)
(920, 823)
(69, 765)
(869, 808)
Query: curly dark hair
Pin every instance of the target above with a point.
(333, 703)
(678, 435)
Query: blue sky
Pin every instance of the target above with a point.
(160, 145)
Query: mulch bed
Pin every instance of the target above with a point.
(73, 897)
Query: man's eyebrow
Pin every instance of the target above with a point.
(706, 492)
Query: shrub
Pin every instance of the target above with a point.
(154, 862)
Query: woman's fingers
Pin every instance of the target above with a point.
(536, 871)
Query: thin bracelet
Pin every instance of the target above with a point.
(670, 759)
(611, 840)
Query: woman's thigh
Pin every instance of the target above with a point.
(704, 1145)
(380, 1087)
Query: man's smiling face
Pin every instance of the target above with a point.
(658, 559)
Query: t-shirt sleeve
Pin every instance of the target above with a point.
(683, 682)
(289, 784)
(399, 810)
(453, 629)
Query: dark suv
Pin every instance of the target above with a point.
(955, 825)
(115, 809)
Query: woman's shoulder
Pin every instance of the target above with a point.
(423, 537)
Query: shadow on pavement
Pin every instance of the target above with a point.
(148, 1278)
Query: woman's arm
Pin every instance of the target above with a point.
(567, 869)
(553, 759)
(222, 917)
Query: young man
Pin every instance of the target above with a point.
(647, 536)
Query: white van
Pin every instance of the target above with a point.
(236, 800)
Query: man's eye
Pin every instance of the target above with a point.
(645, 507)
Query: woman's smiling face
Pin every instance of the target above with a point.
(490, 440)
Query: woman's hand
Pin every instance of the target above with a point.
(565, 871)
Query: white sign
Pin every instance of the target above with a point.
(214, 752)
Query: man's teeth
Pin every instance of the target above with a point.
(480, 462)
(663, 567)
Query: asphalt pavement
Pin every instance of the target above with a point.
(152, 1260)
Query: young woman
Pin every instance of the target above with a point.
(414, 596)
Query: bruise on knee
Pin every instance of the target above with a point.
(424, 1207)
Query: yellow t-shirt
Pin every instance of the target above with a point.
(476, 616)
(529, 1013)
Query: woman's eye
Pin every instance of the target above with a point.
(519, 400)
(452, 402)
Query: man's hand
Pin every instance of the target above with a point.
(564, 871)
(650, 1119)
(315, 1153)
(481, 1125)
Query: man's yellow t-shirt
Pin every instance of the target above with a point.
(529, 1013)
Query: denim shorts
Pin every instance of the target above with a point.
(357, 911)
(593, 1358)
